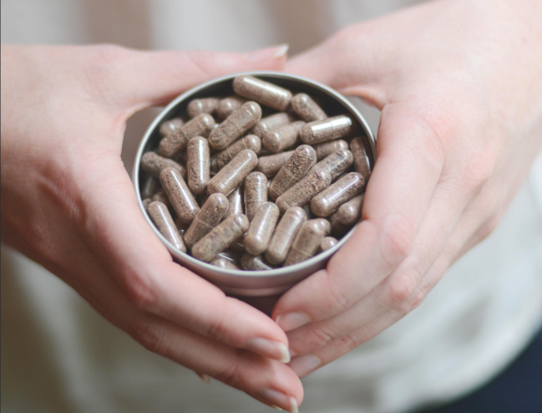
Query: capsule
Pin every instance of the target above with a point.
(282, 138)
(152, 163)
(303, 158)
(221, 262)
(255, 192)
(235, 125)
(261, 228)
(198, 164)
(229, 105)
(350, 212)
(251, 262)
(306, 243)
(301, 193)
(337, 228)
(270, 165)
(204, 105)
(284, 235)
(329, 200)
(327, 243)
(162, 197)
(174, 143)
(161, 217)
(231, 175)
(263, 92)
(179, 195)
(149, 187)
(252, 142)
(146, 202)
(209, 217)
(171, 126)
(220, 238)
(336, 163)
(327, 129)
(236, 202)
(362, 163)
(326, 225)
(306, 108)
(271, 123)
(327, 148)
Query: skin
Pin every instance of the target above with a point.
(459, 85)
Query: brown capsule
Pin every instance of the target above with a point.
(336, 163)
(284, 235)
(270, 165)
(238, 246)
(282, 138)
(327, 243)
(152, 163)
(198, 164)
(301, 193)
(224, 263)
(303, 158)
(261, 228)
(236, 202)
(251, 262)
(350, 212)
(179, 195)
(204, 105)
(146, 203)
(329, 200)
(362, 163)
(327, 148)
(229, 105)
(162, 197)
(252, 142)
(263, 92)
(209, 217)
(326, 225)
(338, 229)
(171, 126)
(174, 143)
(161, 217)
(255, 192)
(306, 108)
(327, 129)
(149, 187)
(231, 175)
(220, 238)
(271, 123)
(181, 226)
(235, 125)
(306, 243)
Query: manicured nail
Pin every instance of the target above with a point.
(206, 379)
(267, 54)
(278, 398)
(290, 321)
(303, 365)
(269, 348)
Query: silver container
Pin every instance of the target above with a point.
(249, 284)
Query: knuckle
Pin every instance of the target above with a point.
(346, 344)
(412, 302)
(149, 335)
(229, 373)
(218, 328)
(318, 335)
(396, 240)
(140, 291)
(488, 227)
(401, 287)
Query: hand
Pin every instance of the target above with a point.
(460, 89)
(68, 204)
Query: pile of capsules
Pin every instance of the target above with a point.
(271, 190)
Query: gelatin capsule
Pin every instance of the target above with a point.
(270, 165)
(221, 262)
(179, 195)
(327, 243)
(327, 148)
(171, 126)
(220, 238)
(251, 262)
(209, 217)
(306, 243)
(303, 158)
(229, 105)
(327, 129)
(205, 105)
(252, 142)
(162, 197)
(306, 108)
(174, 143)
(285, 137)
(350, 212)
(263, 92)
(336, 163)
(255, 192)
(362, 163)
(261, 228)
(338, 229)
(159, 214)
(236, 202)
(329, 200)
(146, 203)
(235, 125)
(231, 175)
(198, 164)
(326, 225)
(284, 235)
(152, 163)
(301, 193)
(149, 187)
(271, 123)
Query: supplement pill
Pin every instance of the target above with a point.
(362, 164)
(231, 175)
(263, 92)
(179, 195)
(198, 164)
(146, 202)
(152, 163)
(338, 229)
(149, 187)
(336, 163)
(161, 217)
(327, 129)
(251, 262)
(327, 243)
(350, 212)
(174, 143)
(229, 105)
(329, 200)
(209, 217)
(301, 193)
(270, 165)
(327, 148)
(235, 125)
(261, 228)
(236, 202)
(325, 224)
(255, 192)
(221, 262)
(282, 138)
(284, 235)
(252, 142)
(306, 243)
(271, 123)
(204, 105)
(306, 108)
(162, 197)
(171, 126)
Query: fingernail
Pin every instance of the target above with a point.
(303, 365)
(278, 398)
(290, 321)
(267, 54)
(206, 379)
(269, 348)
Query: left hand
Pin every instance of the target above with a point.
(459, 84)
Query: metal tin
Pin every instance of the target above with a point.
(237, 282)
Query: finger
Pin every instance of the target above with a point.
(396, 200)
